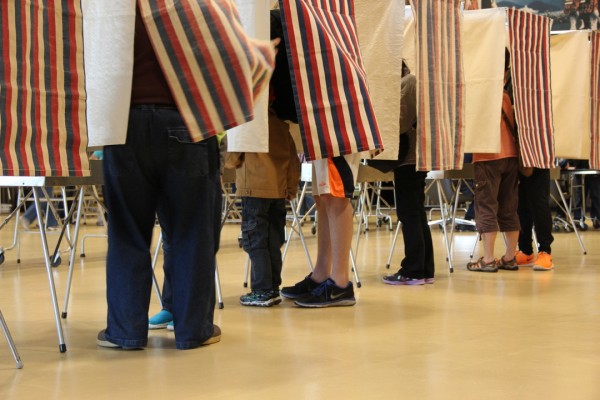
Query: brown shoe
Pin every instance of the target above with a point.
(510, 265)
(481, 266)
(216, 336)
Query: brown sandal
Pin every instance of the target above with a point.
(481, 266)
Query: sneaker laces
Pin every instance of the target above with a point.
(320, 289)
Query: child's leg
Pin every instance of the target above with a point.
(277, 219)
(255, 240)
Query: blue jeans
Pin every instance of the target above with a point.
(30, 213)
(160, 172)
(263, 234)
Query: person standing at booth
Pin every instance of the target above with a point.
(534, 213)
(496, 192)
(161, 171)
(417, 267)
(265, 181)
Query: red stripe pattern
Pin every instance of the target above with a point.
(213, 69)
(530, 64)
(334, 109)
(441, 87)
(43, 129)
(595, 103)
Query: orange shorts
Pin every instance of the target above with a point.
(336, 175)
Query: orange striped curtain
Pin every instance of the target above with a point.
(595, 94)
(214, 70)
(42, 94)
(440, 90)
(530, 65)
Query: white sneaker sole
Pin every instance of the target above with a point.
(157, 326)
(539, 268)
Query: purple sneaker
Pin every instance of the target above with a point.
(398, 279)
(429, 281)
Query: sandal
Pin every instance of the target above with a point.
(481, 266)
(510, 265)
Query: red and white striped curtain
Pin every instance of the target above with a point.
(440, 89)
(530, 65)
(595, 103)
(214, 70)
(42, 92)
(332, 98)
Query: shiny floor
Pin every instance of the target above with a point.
(510, 335)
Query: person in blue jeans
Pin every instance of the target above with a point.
(164, 318)
(29, 217)
(160, 171)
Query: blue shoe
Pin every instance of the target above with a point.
(160, 320)
(170, 326)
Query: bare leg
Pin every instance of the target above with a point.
(322, 268)
(335, 238)
(488, 239)
(512, 239)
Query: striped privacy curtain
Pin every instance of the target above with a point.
(332, 98)
(212, 67)
(440, 88)
(595, 94)
(42, 93)
(530, 64)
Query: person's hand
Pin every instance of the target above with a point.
(275, 44)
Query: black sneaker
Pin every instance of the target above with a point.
(261, 298)
(399, 279)
(328, 294)
(300, 289)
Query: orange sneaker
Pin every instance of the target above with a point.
(524, 260)
(543, 262)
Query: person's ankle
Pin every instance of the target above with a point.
(341, 283)
(317, 278)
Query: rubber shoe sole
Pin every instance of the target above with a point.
(411, 282)
(335, 303)
(268, 303)
(102, 341)
(158, 326)
(215, 338)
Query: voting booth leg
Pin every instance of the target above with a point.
(570, 217)
(443, 210)
(61, 342)
(389, 261)
(154, 261)
(73, 246)
(11, 344)
(218, 286)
